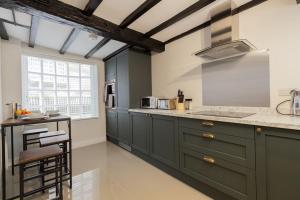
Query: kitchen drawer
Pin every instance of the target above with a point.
(239, 130)
(232, 179)
(238, 150)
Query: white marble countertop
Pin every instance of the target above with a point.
(261, 118)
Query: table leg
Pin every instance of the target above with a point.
(70, 150)
(3, 164)
(57, 126)
(12, 151)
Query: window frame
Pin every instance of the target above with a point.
(94, 76)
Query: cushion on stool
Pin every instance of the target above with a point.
(38, 154)
(54, 140)
(35, 131)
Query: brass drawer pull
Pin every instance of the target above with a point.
(209, 159)
(208, 135)
(206, 123)
(258, 130)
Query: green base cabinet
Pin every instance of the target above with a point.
(124, 135)
(140, 130)
(164, 144)
(278, 164)
(111, 123)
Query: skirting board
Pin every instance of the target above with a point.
(75, 145)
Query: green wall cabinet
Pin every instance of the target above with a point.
(111, 69)
(277, 164)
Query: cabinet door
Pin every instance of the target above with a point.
(122, 81)
(277, 164)
(110, 69)
(140, 132)
(164, 144)
(111, 123)
(123, 127)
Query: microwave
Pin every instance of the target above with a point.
(149, 102)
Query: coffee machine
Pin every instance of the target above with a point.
(295, 102)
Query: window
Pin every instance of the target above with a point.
(69, 87)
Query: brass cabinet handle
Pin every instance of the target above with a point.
(206, 123)
(258, 130)
(208, 135)
(209, 159)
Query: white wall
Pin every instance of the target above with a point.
(272, 25)
(84, 132)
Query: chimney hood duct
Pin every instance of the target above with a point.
(225, 42)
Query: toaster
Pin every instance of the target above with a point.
(166, 104)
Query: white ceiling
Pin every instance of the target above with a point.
(53, 35)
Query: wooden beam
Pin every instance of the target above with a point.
(116, 52)
(70, 39)
(14, 16)
(217, 18)
(186, 12)
(147, 5)
(103, 42)
(17, 24)
(33, 30)
(69, 15)
(298, 1)
(91, 6)
(3, 32)
(142, 9)
(246, 6)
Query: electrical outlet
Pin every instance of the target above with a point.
(284, 92)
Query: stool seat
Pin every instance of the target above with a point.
(38, 154)
(35, 131)
(54, 140)
(51, 134)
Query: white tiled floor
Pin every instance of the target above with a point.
(107, 172)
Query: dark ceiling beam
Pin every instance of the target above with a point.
(91, 6)
(186, 12)
(298, 1)
(13, 23)
(142, 9)
(103, 42)
(70, 39)
(3, 32)
(217, 18)
(33, 30)
(14, 16)
(69, 15)
(116, 52)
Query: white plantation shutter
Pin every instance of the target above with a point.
(71, 88)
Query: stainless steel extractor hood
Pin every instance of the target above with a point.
(224, 34)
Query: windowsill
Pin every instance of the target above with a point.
(83, 118)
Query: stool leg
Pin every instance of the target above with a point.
(24, 142)
(42, 170)
(65, 149)
(56, 175)
(21, 182)
(61, 193)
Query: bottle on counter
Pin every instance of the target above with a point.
(188, 104)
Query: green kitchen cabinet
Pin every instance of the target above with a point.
(277, 164)
(140, 130)
(111, 69)
(164, 145)
(111, 123)
(124, 135)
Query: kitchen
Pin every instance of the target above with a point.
(220, 137)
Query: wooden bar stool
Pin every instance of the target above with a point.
(32, 132)
(61, 140)
(39, 155)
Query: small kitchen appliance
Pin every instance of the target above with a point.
(166, 104)
(295, 102)
(110, 94)
(149, 102)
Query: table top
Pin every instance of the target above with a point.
(20, 122)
